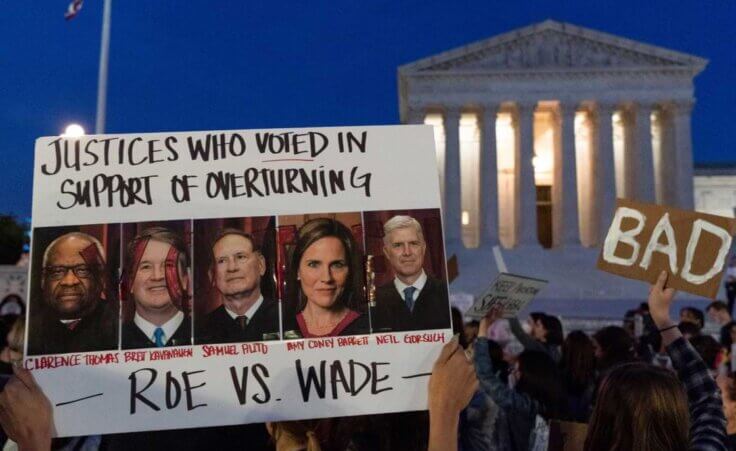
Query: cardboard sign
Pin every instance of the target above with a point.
(645, 239)
(173, 276)
(511, 291)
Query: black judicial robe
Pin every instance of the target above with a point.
(98, 331)
(219, 327)
(431, 309)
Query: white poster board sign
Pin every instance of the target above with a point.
(512, 292)
(182, 280)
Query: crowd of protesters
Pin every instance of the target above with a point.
(654, 383)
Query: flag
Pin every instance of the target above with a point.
(73, 9)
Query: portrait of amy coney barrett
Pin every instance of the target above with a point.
(325, 282)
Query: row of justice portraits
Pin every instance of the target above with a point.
(187, 282)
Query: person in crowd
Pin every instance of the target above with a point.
(470, 331)
(536, 398)
(12, 353)
(478, 419)
(647, 340)
(12, 304)
(236, 271)
(157, 281)
(730, 282)
(7, 324)
(612, 346)
(501, 366)
(728, 393)
(325, 283)
(709, 351)
(534, 324)
(458, 327)
(546, 334)
(578, 374)
(730, 337)
(74, 316)
(689, 329)
(413, 300)
(692, 315)
(22, 405)
(718, 313)
(644, 407)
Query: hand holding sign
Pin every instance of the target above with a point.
(660, 300)
(453, 380)
(493, 315)
(25, 412)
(451, 386)
(645, 239)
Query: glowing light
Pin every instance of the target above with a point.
(542, 163)
(73, 131)
(465, 218)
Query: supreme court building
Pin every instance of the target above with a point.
(537, 131)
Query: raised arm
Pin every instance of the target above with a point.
(707, 422)
(525, 339)
(490, 383)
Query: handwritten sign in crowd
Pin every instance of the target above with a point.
(183, 280)
(645, 239)
(510, 292)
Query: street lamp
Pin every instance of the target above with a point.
(73, 131)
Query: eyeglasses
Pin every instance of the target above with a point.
(58, 272)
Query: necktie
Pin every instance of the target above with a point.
(242, 321)
(409, 297)
(158, 336)
(71, 325)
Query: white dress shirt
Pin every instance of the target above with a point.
(418, 284)
(149, 329)
(248, 313)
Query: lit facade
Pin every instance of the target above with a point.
(538, 131)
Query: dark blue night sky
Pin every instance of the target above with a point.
(198, 65)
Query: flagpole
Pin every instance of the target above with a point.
(102, 78)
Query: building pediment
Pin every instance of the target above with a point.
(553, 46)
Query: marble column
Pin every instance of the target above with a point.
(567, 177)
(452, 224)
(605, 180)
(683, 153)
(526, 189)
(489, 178)
(644, 160)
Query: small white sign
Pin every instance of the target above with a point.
(511, 291)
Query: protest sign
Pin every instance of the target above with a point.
(645, 239)
(512, 292)
(180, 280)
